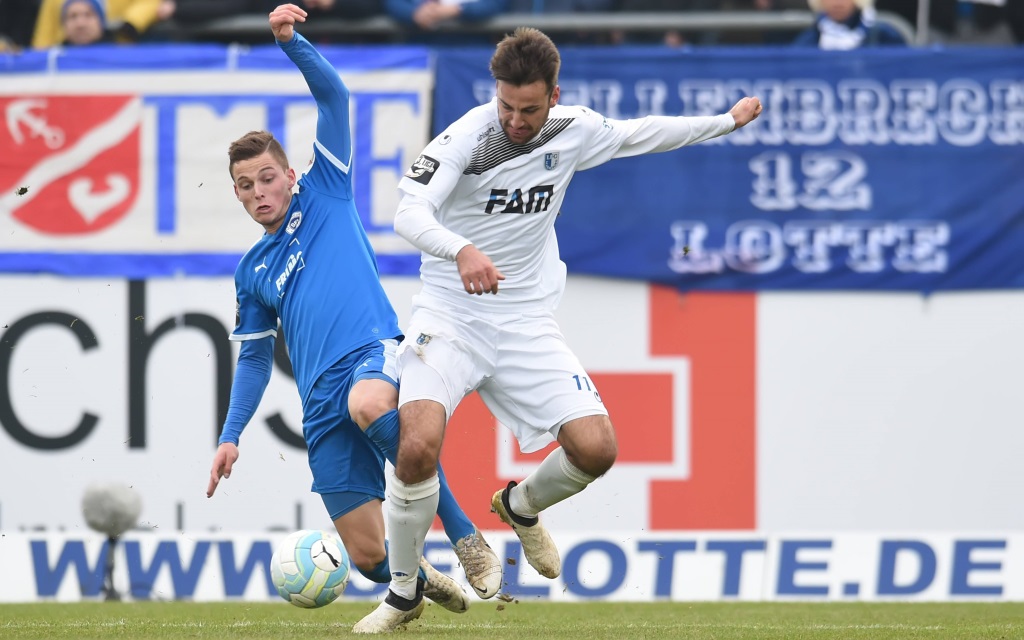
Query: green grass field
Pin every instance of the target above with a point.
(495, 620)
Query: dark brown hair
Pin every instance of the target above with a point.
(253, 144)
(526, 56)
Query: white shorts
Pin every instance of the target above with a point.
(519, 363)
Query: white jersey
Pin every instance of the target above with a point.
(504, 197)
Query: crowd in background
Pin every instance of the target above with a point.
(839, 24)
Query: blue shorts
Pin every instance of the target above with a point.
(341, 457)
(338, 504)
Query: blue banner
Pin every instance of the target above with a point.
(876, 169)
(113, 160)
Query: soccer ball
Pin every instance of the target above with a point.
(310, 568)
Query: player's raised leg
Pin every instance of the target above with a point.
(588, 450)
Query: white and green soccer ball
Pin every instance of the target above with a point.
(310, 568)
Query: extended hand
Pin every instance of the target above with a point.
(223, 461)
(283, 19)
(479, 275)
(744, 111)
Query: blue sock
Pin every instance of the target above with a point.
(384, 433)
(382, 572)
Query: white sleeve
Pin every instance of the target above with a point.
(415, 221)
(655, 134)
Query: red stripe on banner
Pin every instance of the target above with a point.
(717, 332)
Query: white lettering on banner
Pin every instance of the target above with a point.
(829, 181)
(633, 566)
(760, 246)
(812, 112)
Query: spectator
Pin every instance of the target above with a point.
(847, 24)
(425, 16)
(132, 18)
(17, 19)
(83, 22)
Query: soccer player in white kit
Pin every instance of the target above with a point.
(480, 202)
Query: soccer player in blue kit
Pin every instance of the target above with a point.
(314, 269)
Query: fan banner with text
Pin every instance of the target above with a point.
(115, 165)
(871, 169)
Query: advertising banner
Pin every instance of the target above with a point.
(733, 411)
(868, 169)
(637, 567)
(113, 164)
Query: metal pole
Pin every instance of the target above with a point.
(109, 592)
(923, 12)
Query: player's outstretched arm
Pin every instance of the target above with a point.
(331, 94)
(252, 374)
(745, 111)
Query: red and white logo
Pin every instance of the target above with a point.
(69, 164)
(713, 486)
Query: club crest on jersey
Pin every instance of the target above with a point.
(423, 339)
(550, 160)
(422, 170)
(293, 223)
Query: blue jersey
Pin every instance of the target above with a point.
(318, 272)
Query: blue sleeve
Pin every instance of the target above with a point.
(255, 362)
(333, 129)
(483, 9)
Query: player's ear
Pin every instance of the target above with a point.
(235, 187)
(291, 178)
(555, 93)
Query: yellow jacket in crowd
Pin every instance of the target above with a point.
(141, 14)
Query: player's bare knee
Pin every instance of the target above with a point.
(604, 458)
(417, 460)
(595, 459)
(365, 409)
(366, 558)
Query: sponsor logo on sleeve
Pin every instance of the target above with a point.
(423, 169)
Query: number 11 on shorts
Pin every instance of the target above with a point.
(580, 381)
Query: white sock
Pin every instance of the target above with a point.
(554, 480)
(411, 510)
